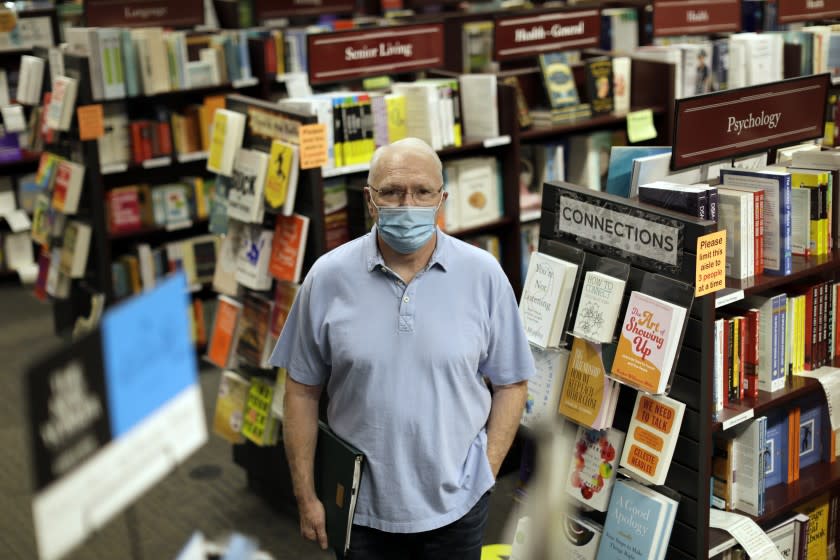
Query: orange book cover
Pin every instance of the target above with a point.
(588, 395)
(284, 296)
(288, 246)
(223, 339)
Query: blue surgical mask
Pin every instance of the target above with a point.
(406, 228)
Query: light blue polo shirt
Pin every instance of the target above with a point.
(403, 367)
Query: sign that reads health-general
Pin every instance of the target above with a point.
(371, 52)
(621, 230)
(689, 17)
(518, 36)
(748, 120)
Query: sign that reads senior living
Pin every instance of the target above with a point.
(521, 36)
(748, 120)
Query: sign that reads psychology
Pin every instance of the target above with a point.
(531, 35)
(688, 17)
(267, 9)
(789, 11)
(622, 230)
(144, 13)
(748, 120)
(371, 52)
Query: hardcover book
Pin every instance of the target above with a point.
(558, 79)
(288, 247)
(750, 448)
(648, 343)
(638, 524)
(230, 406)
(688, 199)
(245, 197)
(545, 298)
(652, 437)
(588, 396)
(811, 436)
(600, 302)
(592, 472)
(544, 387)
(776, 459)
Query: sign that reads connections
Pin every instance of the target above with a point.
(748, 120)
(518, 37)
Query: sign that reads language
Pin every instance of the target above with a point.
(356, 54)
(689, 17)
(532, 35)
(789, 11)
(748, 120)
(144, 13)
(267, 9)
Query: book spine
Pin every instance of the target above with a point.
(785, 226)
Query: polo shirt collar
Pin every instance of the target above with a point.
(440, 256)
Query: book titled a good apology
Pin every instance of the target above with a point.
(647, 347)
(338, 473)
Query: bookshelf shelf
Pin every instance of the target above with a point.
(185, 94)
(200, 223)
(802, 268)
(541, 133)
(502, 222)
(795, 388)
(136, 173)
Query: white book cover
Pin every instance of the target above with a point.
(800, 221)
(652, 437)
(544, 387)
(224, 277)
(62, 103)
(110, 54)
(621, 84)
(545, 298)
(245, 197)
(749, 446)
(649, 169)
(600, 302)
(593, 466)
(421, 102)
(30, 80)
(253, 258)
(478, 192)
(5, 98)
(733, 208)
(479, 105)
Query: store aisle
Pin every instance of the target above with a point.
(208, 493)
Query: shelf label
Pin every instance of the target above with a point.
(737, 419)
(268, 9)
(521, 37)
(640, 126)
(748, 120)
(693, 17)
(144, 13)
(806, 10)
(370, 52)
(710, 275)
(313, 145)
(497, 141)
(91, 122)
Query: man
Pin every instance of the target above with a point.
(403, 325)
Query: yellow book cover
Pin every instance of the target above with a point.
(258, 424)
(395, 107)
(587, 391)
(230, 406)
(818, 230)
(217, 142)
(279, 171)
(817, 512)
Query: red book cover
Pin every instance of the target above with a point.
(288, 246)
(124, 212)
(137, 155)
(164, 134)
(269, 56)
(284, 296)
(751, 318)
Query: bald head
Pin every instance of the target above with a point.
(408, 151)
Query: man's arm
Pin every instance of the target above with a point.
(300, 435)
(505, 413)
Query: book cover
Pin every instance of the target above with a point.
(811, 434)
(253, 257)
(620, 168)
(258, 423)
(750, 447)
(818, 527)
(688, 199)
(62, 103)
(224, 275)
(254, 330)
(544, 387)
(230, 406)
(223, 337)
(638, 524)
(588, 396)
(545, 298)
(284, 296)
(648, 343)
(776, 458)
(578, 540)
(282, 177)
(652, 437)
(225, 141)
(245, 197)
(288, 247)
(558, 79)
(74, 249)
(599, 84)
(67, 188)
(598, 308)
(592, 472)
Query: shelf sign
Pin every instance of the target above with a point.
(789, 11)
(695, 17)
(347, 55)
(532, 35)
(748, 120)
(143, 13)
(711, 263)
(267, 9)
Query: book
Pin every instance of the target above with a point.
(258, 423)
(588, 396)
(811, 436)
(737, 216)
(652, 437)
(620, 169)
(225, 141)
(475, 192)
(288, 247)
(223, 337)
(592, 472)
(776, 460)
(74, 249)
(253, 258)
(599, 84)
(230, 406)
(282, 177)
(224, 276)
(688, 199)
(648, 343)
(545, 298)
(62, 103)
(253, 345)
(790, 536)
(772, 320)
(638, 524)
(578, 539)
(558, 79)
(544, 387)
(67, 187)
(749, 446)
(245, 197)
(598, 308)
(338, 474)
(284, 296)
(818, 527)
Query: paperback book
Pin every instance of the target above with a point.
(600, 302)
(592, 472)
(544, 387)
(545, 298)
(652, 437)
(245, 197)
(288, 247)
(588, 396)
(230, 406)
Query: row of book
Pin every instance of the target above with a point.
(136, 208)
(249, 408)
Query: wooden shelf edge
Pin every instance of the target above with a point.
(814, 481)
(795, 388)
(149, 230)
(802, 268)
(539, 133)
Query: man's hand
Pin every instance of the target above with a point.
(313, 521)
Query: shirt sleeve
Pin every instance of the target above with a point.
(508, 358)
(300, 348)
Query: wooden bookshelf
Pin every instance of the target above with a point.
(803, 267)
(594, 123)
(795, 388)
(146, 232)
(814, 481)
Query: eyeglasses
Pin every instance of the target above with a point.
(394, 196)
